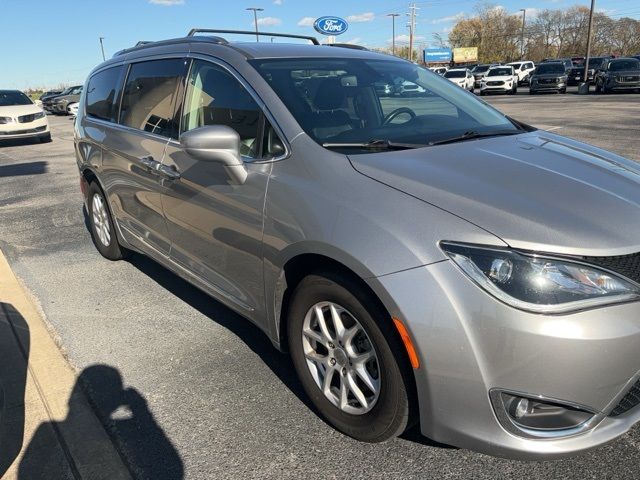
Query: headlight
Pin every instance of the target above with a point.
(38, 115)
(538, 283)
(5, 120)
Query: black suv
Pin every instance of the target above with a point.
(576, 74)
(618, 74)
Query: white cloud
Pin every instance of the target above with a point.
(355, 41)
(405, 38)
(167, 3)
(277, 2)
(269, 21)
(306, 22)
(451, 18)
(363, 17)
(532, 12)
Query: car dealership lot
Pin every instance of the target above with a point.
(219, 401)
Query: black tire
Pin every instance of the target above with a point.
(481, 93)
(389, 416)
(532, 92)
(45, 138)
(113, 250)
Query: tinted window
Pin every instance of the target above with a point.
(215, 97)
(455, 74)
(619, 65)
(481, 69)
(13, 97)
(497, 72)
(149, 95)
(550, 68)
(103, 94)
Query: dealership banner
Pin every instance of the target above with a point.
(437, 55)
(465, 54)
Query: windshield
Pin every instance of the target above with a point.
(596, 62)
(13, 97)
(516, 66)
(545, 68)
(480, 69)
(75, 91)
(455, 74)
(627, 64)
(498, 72)
(335, 101)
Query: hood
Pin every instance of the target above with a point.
(536, 191)
(19, 110)
(499, 78)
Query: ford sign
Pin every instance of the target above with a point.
(331, 25)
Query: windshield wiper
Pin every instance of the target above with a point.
(471, 134)
(376, 144)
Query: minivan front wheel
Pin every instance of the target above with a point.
(102, 230)
(341, 353)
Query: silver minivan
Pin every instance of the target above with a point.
(423, 258)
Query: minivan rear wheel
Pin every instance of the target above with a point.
(102, 229)
(340, 347)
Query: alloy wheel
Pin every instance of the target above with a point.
(101, 219)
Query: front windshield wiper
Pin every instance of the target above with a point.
(471, 134)
(376, 144)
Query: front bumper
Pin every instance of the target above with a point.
(37, 128)
(469, 344)
(547, 87)
(504, 88)
(59, 108)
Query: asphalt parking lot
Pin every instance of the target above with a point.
(191, 390)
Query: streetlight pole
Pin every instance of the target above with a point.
(524, 16)
(393, 30)
(102, 48)
(586, 60)
(255, 19)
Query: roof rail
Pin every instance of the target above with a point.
(347, 45)
(195, 31)
(143, 42)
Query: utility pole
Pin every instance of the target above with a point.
(524, 16)
(102, 48)
(586, 59)
(412, 27)
(255, 19)
(393, 30)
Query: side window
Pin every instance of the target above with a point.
(215, 97)
(103, 94)
(149, 96)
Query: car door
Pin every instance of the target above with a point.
(133, 148)
(215, 224)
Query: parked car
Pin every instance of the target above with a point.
(566, 62)
(47, 102)
(575, 76)
(448, 265)
(549, 77)
(408, 88)
(72, 109)
(59, 104)
(461, 77)
(21, 118)
(618, 74)
(439, 70)
(48, 94)
(500, 79)
(480, 71)
(523, 70)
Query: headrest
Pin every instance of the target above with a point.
(330, 95)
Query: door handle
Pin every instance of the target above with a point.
(148, 162)
(169, 172)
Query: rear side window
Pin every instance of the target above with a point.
(103, 94)
(149, 96)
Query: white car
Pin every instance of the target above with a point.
(21, 118)
(500, 79)
(439, 70)
(72, 109)
(523, 69)
(461, 77)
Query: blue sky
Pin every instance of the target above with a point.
(34, 53)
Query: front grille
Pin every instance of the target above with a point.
(494, 84)
(632, 78)
(625, 265)
(26, 118)
(547, 80)
(630, 400)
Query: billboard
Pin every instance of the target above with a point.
(465, 54)
(437, 55)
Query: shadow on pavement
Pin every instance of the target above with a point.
(17, 169)
(124, 413)
(13, 378)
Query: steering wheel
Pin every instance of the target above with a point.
(398, 111)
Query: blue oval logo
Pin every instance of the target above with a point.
(331, 25)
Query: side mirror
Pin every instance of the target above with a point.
(219, 144)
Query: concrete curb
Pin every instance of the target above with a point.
(78, 441)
